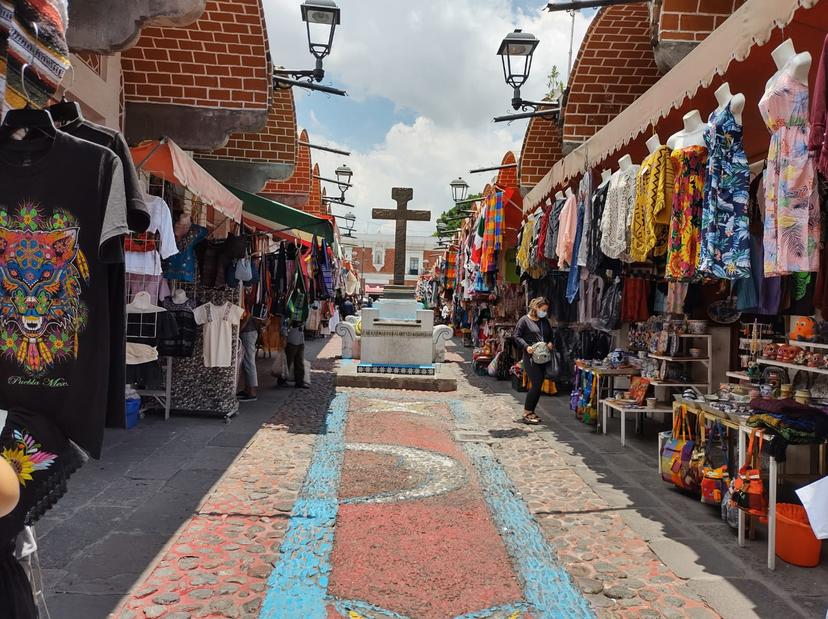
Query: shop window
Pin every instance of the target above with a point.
(413, 266)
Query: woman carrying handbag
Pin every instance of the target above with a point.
(533, 333)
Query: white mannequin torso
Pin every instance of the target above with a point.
(788, 61)
(179, 297)
(560, 196)
(606, 175)
(737, 101)
(691, 135)
(653, 143)
(624, 163)
(569, 192)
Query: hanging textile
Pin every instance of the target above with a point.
(34, 33)
(725, 244)
(567, 230)
(493, 232)
(617, 219)
(653, 201)
(585, 202)
(819, 114)
(791, 212)
(688, 199)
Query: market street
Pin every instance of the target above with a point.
(445, 507)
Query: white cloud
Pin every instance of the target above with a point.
(437, 58)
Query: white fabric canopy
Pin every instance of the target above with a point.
(752, 24)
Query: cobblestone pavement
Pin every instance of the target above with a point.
(416, 505)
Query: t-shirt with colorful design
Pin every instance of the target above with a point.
(62, 213)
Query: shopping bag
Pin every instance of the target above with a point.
(279, 369)
(677, 454)
(814, 499)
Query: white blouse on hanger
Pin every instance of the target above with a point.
(618, 211)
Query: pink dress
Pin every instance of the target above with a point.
(792, 225)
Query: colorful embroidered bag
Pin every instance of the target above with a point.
(715, 480)
(748, 489)
(676, 455)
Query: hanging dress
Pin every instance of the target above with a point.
(725, 243)
(791, 212)
(689, 164)
(653, 202)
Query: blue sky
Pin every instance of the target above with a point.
(424, 82)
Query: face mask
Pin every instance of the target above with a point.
(541, 314)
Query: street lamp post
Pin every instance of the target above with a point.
(459, 189)
(321, 18)
(516, 52)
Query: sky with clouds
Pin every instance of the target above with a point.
(424, 83)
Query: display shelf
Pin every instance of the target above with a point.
(678, 359)
(657, 383)
(807, 344)
(792, 366)
(740, 376)
(707, 335)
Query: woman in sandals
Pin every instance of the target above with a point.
(533, 331)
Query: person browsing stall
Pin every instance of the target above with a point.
(533, 333)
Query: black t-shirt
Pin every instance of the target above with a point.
(138, 216)
(62, 216)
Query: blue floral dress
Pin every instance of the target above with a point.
(725, 242)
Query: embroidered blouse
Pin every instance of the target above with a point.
(653, 200)
(618, 210)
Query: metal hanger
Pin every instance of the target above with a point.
(65, 111)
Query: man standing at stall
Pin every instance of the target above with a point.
(295, 353)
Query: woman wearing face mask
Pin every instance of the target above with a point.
(533, 331)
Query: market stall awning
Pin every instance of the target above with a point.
(164, 159)
(753, 24)
(283, 220)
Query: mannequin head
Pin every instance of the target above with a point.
(625, 162)
(569, 192)
(559, 195)
(782, 54)
(653, 143)
(606, 175)
(723, 94)
(692, 121)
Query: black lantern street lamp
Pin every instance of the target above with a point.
(321, 18)
(343, 178)
(516, 52)
(459, 189)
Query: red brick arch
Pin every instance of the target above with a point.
(275, 144)
(220, 61)
(507, 178)
(315, 200)
(693, 20)
(296, 190)
(615, 65)
(540, 151)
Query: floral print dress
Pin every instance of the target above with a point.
(725, 246)
(690, 165)
(792, 226)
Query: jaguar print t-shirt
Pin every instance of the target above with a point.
(62, 216)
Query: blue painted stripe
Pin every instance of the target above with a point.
(546, 584)
(298, 585)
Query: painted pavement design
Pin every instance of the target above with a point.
(378, 509)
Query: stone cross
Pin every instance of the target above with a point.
(402, 196)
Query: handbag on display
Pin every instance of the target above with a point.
(748, 489)
(715, 480)
(677, 453)
(244, 270)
